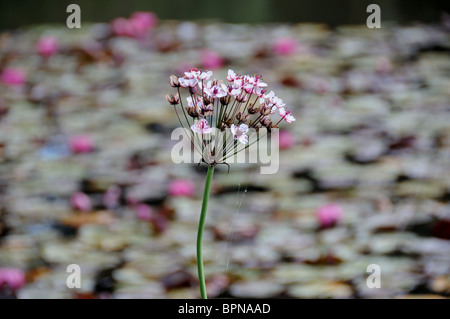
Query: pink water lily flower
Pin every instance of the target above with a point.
(13, 277)
(136, 26)
(285, 46)
(211, 60)
(111, 198)
(328, 215)
(47, 46)
(286, 139)
(81, 144)
(181, 187)
(13, 77)
(122, 27)
(80, 201)
(240, 132)
(144, 212)
(201, 127)
(142, 22)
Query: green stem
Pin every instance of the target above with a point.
(201, 227)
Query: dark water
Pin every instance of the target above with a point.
(334, 12)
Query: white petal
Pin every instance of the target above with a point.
(243, 128)
(233, 129)
(195, 129)
(243, 139)
(290, 118)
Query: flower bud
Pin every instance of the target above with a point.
(173, 99)
(241, 118)
(174, 81)
(207, 110)
(266, 121)
(208, 100)
(193, 111)
(254, 109)
(227, 121)
(242, 98)
(225, 100)
(265, 110)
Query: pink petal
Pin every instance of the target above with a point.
(330, 214)
(285, 46)
(211, 60)
(47, 46)
(13, 277)
(81, 144)
(80, 201)
(181, 187)
(287, 139)
(144, 212)
(13, 77)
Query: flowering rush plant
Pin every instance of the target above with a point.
(237, 111)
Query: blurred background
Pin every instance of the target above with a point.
(13, 14)
(86, 175)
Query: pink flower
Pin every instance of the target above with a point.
(285, 46)
(211, 60)
(136, 26)
(13, 77)
(198, 74)
(329, 214)
(185, 83)
(201, 127)
(240, 133)
(234, 90)
(111, 197)
(181, 187)
(232, 76)
(286, 139)
(286, 115)
(13, 277)
(256, 81)
(196, 102)
(47, 46)
(142, 22)
(144, 212)
(81, 144)
(80, 201)
(215, 91)
(192, 73)
(252, 84)
(122, 27)
(272, 100)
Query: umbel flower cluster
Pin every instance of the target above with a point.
(239, 108)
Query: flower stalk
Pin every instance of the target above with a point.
(201, 227)
(240, 112)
